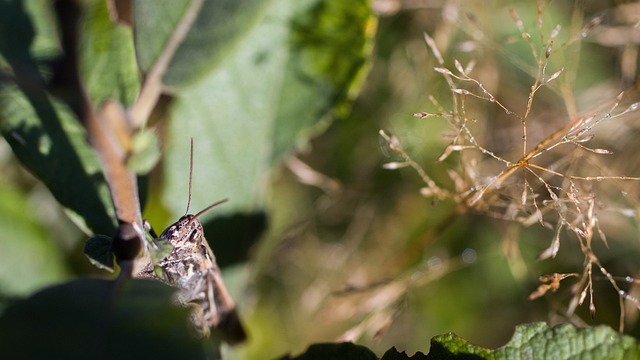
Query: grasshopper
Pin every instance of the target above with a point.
(191, 267)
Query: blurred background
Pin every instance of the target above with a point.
(360, 255)
(348, 250)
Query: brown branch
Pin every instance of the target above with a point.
(110, 134)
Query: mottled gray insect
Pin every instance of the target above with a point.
(191, 266)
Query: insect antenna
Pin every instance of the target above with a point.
(190, 177)
(191, 185)
(209, 207)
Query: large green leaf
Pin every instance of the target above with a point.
(27, 34)
(90, 319)
(568, 342)
(271, 93)
(50, 142)
(155, 21)
(43, 132)
(106, 57)
(530, 341)
(219, 26)
(537, 340)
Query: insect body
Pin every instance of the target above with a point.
(191, 266)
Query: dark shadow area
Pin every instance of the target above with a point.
(232, 237)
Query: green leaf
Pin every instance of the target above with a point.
(568, 342)
(99, 250)
(530, 341)
(537, 340)
(265, 97)
(27, 34)
(155, 21)
(28, 259)
(218, 27)
(44, 133)
(450, 346)
(145, 153)
(48, 140)
(133, 319)
(107, 60)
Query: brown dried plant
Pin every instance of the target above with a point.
(550, 175)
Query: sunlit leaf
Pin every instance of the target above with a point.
(219, 27)
(265, 98)
(106, 58)
(50, 142)
(562, 342)
(535, 339)
(43, 132)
